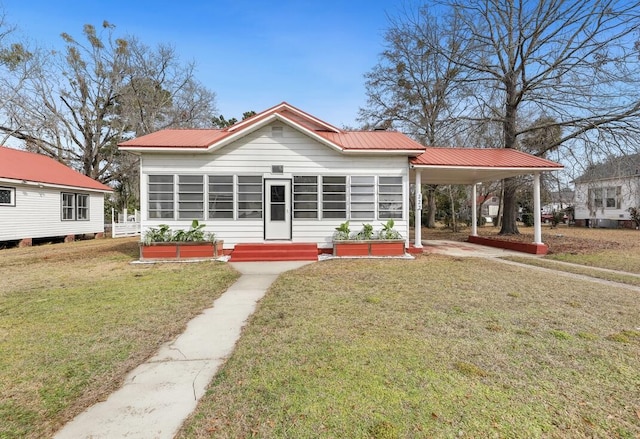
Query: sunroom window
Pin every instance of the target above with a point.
(389, 197)
(221, 196)
(363, 197)
(249, 196)
(334, 197)
(161, 196)
(190, 197)
(305, 197)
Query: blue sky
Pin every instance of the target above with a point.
(253, 54)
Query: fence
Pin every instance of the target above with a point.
(125, 224)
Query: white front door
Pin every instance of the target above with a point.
(277, 219)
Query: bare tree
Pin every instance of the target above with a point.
(573, 65)
(412, 87)
(80, 103)
(576, 63)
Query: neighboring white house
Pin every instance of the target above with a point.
(605, 192)
(42, 198)
(286, 176)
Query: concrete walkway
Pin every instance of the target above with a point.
(469, 250)
(158, 395)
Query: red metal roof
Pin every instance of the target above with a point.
(178, 138)
(208, 138)
(28, 166)
(481, 157)
(372, 140)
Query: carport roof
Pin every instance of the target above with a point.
(474, 165)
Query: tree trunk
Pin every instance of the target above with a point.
(454, 223)
(509, 224)
(431, 207)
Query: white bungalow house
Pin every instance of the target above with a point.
(42, 198)
(286, 176)
(605, 192)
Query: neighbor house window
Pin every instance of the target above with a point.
(190, 197)
(607, 197)
(82, 207)
(75, 207)
(68, 207)
(305, 197)
(363, 197)
(334, 197)
(7, 196)
(161, 196)
(389, 197)
(249, 196)
(221, 196)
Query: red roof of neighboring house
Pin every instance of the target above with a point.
(28, 166)
(344, 140)
(481, 157)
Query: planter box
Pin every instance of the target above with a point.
(389, 247)
(524, 247)
(180, 250)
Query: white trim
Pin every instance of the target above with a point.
(418, 210)
(474, 210)
(51, 185)
(403, 152)
(537, 228)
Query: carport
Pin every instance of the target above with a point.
(470, 166)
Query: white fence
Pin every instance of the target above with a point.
(125, 224)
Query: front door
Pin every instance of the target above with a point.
(277, 219)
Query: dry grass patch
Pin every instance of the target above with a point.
(76, 317)
(436, 347)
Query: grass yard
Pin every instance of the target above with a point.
(75, 318)
(435, 347)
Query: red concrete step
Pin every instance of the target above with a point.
(275, 252)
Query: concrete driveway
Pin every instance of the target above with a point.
(466, 249)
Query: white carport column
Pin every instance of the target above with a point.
(474, 210)
(418, 211)
(537, 228)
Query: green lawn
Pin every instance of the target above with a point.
(74, 318)
(436, 347)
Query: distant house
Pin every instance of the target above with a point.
(285, 176)
(605, 192)
(42, 198)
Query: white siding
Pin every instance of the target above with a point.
(37, 214)
(630, 197)
(255, 154)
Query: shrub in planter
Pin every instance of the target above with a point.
(163, 243)
(343, 232)
(386, 242)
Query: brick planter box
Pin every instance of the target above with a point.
(180, 250)
(369, 248)
(524, 247)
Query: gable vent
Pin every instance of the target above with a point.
(276, 132)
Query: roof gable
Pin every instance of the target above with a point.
(213, 139)
(31, 167)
